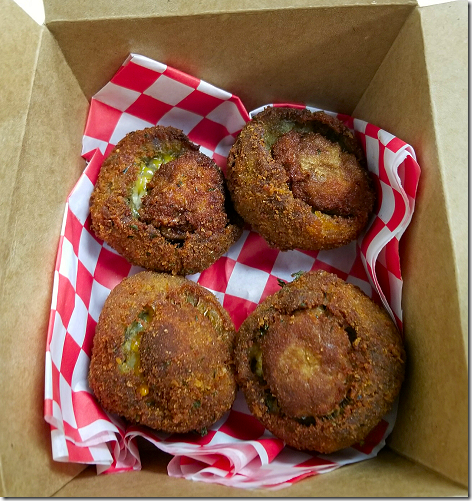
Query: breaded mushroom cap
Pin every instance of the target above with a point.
(300, 179)
(163, 354)
(162, 204)
(319, 363)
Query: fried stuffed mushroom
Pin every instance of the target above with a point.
(162, 204)
(319, 363)
(300, 180)
(163, 354)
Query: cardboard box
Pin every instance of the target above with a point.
(399, 66)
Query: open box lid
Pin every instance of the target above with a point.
(38, 70)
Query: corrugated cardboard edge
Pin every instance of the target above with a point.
(33, 192)
(436, 386)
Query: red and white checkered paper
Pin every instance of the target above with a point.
(237, 450)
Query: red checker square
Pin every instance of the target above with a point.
(101, 121)
(221, 161)
(84, 283)
(377, 226)
(347, 120)
(88, 227)
(89, 335)
(181, 77)
(73, 230)
(136, 77)
(55, 382)
(409, 172)
(272, 446)
(373, 438)
(257, 253)
(200, 103)
(399, 212)
(311, 253)
(357, 270)
(216, 277)
(271, 287)
(86, 408)
(242, 426)
(372, 131)
(395, 144)
(71, 431)
(383, 174)
(314, 462)
(392, 257)
(111, 268)
(79, 454)
(301, 477)
(109, 149)
(65, 299)
(321, 265)
(149, 109)
(93, 168)
(70, 354)
(239, 309)
(208, 133)
(192, 438)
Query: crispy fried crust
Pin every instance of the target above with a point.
(300, 179)
(177, 220)
(163, 354)
(319, 363)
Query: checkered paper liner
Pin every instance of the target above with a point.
(237, 450)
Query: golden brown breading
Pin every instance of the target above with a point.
(163, 354)
(162, 204)
(299, 178)
(319, 363)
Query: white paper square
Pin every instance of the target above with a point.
(224, 146)
(289, 262)
(168, 90)
(180, 119)
(57, 340)
(78, 321)
(116, 96)
(80, 374)
(97, 299)
(234, 251)
(213, 91)
(372, 154)
(388, 203)
(68, 266)
(126, 124)
(66, 402)
(228, 114)
(89, 250)
(341, 258)
(79, 197)
(247, 283)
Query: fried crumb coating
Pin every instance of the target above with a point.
(163, 354)
(300, 179)
(319, 363)
(162, 204)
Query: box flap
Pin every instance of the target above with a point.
(420, 94)
(58, 10)
(210, 46)
(388, 474)
(40, 96)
